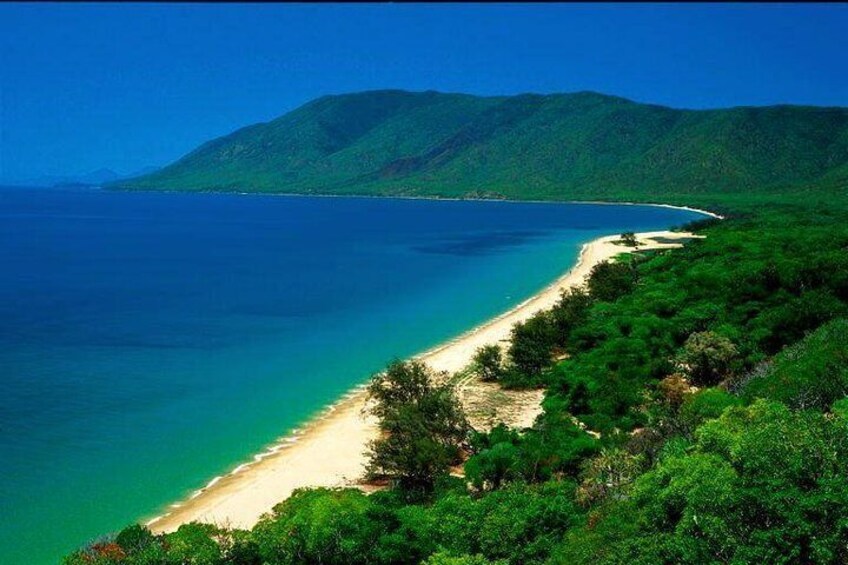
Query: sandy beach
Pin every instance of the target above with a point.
(330, 451)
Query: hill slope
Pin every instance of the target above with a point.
(559, 146)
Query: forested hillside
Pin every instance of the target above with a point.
(559, 146)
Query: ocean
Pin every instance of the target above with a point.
(152, 341)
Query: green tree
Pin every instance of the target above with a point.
(707, 358)
(628, 238)
(609, 281)
(329, 526)
(608, 475)
(569, 313)
(497, 458)
(135, 538)
(532, 343)
(193, 543)
(704, 405)
(240, 548)
(519, 524)
(523, 523)
(578, 398)
(422, 425)
(488, 363)
(761, 484)
(443, 558)
(812, 373)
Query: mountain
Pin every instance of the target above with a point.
(93, 178)
(557, 146)
(100, 176)
(141, 172)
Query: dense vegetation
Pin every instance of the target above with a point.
(695, 412)
(559, 146)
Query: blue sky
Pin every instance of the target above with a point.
(84, 86)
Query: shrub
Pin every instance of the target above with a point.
(569, 313)
(532, 344)
(628, 239)
(810, 374)
(488, 363)
(330, 526)
(193, 543)
(609, 281)
(707, 358)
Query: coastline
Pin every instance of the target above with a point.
(329, 450)
(425, 197)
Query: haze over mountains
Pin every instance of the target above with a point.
(93, 178)
(557, 146)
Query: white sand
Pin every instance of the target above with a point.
(331, 450)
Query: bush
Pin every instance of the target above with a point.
(497, 458)
(569, 313)
(760, 485)
(135, 538)
(443, 558)
(532, 344)
(519, 524)
(609, 281)
(628, 239)
(705, 405)
(797, 316)
(488, 363)
(810, 374)
(330, 526)
(193, 543)
(608, 475)
(707, 358)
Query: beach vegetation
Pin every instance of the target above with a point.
(531, 349)
(498, 458)
(489, 363)
(442, 558)
(194, 543)
(569, 313)
(318, 526)
(611, 280)
(135, 538)
(422, 425)
(628, 239)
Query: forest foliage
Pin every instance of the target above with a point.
(581, 145)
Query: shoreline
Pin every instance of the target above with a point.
(407, 197)
(329, 449)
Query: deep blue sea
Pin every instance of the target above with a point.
(149, 342)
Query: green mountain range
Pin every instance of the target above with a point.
(557, 146)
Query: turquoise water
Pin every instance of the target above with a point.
(149, 342)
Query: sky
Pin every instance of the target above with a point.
(88, 86)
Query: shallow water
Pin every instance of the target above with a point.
(149, 342)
